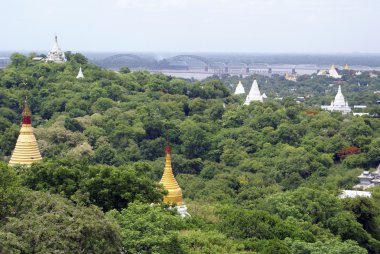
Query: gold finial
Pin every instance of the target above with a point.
(26, 111)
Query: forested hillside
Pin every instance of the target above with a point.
(262, 178)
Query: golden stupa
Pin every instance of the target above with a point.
(170, 184)
(346, 67)
(26, 151)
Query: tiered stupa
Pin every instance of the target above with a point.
(80, 73)
(254, 93)
(56, 54)
(26, 151)
(346, 68)
(170, 184)
(333, 72)
(338, 104)
(239, 88)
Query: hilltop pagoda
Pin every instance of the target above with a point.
(80, 73)
(339, 104)
(174, 196)
(56, 54)
(254, 93)
(239, 89)
(26, 151)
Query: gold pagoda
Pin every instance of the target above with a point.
(26, 151)
(170, 184)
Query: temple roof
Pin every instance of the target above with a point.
(239, 88)
(339, 98)
(254, 93)
(333, 72)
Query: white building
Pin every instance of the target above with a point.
(56, 54)
(239, 88)
(338, 104)
(354, 194)
(254, 94)
(369, 179)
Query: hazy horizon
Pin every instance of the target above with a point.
(193, 26)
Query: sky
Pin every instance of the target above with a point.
(224, 26)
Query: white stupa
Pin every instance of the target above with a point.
(80, 73)
(239, 88)
(333, 72)
(254, 94)
(56, 54)
(338, 104)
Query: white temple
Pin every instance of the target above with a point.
(254, 94)
(338, 104)
(80, 73)
(56, 54)
(368, 179)
(333, 72)
(239, 88)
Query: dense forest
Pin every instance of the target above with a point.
(263, 178)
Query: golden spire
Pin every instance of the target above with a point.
(169, 182)
(26, 151)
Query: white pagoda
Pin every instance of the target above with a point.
(56, 54)
(239, 88)
(254, 94)
(80, 73)
(333, 72)
(338, 104)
